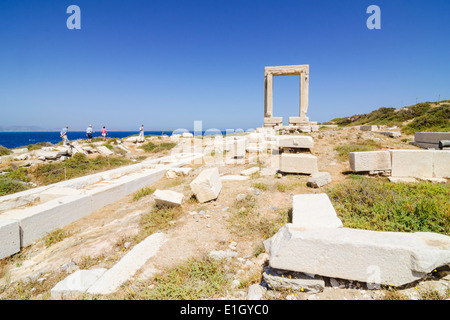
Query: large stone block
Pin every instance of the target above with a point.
(168, 198)
(295, 141)
(385, 258)
(207, 185)
(122, 271)
(313, 211)
(370, 161)
(368, 128)
(298, 163)
(237, 148)
(412, 163)
(76, 284)
(432, 138)
(441, 164)
(9, 237)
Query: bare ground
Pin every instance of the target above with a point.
(102, 238)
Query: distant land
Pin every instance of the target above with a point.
(25, 129)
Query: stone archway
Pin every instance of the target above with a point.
(269, 73)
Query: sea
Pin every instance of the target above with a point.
(13, 140)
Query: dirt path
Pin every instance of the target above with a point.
(102, 238)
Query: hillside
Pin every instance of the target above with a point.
(426, 116)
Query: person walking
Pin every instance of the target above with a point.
(104, 133)
(141, 134)
(89, 132)
(63, 134)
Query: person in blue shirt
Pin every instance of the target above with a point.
(64, 135)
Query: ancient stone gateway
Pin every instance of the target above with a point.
(269, 73)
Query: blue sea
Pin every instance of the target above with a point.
(12, 140)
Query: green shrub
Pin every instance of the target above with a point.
(345, 149)
(76, 166)
(192, 280)
(377, 204)
(9, 186)
(4, 151)
(151, 147)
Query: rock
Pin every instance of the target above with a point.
(76, 284)
(384, 258)
(314, 211)
(104, 150)
(220, 254)
(319, 179)
(297, 281)
(22, 157)
(168, 198)
(241, 196)
(231, 177)
(249, 171)
(207, 185)
(368, 128)
(255, 292)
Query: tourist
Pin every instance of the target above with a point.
(141, 134)
(104, 133)
(89, 132)
(63, 133)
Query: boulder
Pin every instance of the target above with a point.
(104, 151)
(375, 257)
(168, 198)
(319, 179)
(291, 280)
(249, 171)
(207, 185)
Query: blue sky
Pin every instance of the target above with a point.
(169, 63)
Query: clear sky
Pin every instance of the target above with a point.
(169, 63)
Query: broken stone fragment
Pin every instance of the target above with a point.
(207, 185)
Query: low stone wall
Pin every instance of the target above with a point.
(75, 199)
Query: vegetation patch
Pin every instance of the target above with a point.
(4, 151)
(13, 181)
(427, 116)
(153, 148)
(76, 166)
(193, 280)
(380, 205)
(157, 219)
(344, 150)
(142, 193)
